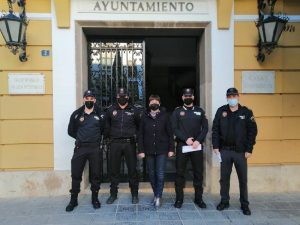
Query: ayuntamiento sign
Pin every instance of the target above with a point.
(143, 6)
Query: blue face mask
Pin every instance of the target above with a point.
(232, 102)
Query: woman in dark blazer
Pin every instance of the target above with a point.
(156, 143)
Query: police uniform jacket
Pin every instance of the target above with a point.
(92, 124)
(245, 129)
(122, 123)
(189, 122)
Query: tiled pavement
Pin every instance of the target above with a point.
(267, 209)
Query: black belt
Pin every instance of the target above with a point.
(123, 140)
(79, 144)
(229, 148)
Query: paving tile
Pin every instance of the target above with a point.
(189, 215)
(220, 222)
(147, 215)
(193, 222)
(127, 216)
(107, 209)
(212, 215)
(143, 208)
(168, 216)
(126, 208)
(167, 207)
(188, 206)
(168, 222)
(267, 209)
(104, 218)
(60, 219)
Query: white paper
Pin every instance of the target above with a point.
(219, 157)
(188, 148)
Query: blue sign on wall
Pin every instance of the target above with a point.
(45, 53)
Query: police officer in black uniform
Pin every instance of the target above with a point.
(190, 127)
(233, 136)
(86, 126)
(121, 127)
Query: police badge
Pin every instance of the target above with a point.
(224, 114)
(114, 112)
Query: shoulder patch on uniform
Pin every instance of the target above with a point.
(198, 113)
(242, 117)
(252, 118)
(76, 116)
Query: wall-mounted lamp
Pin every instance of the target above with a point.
(269, 29)
(13, 29)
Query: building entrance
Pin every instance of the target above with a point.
(157, 62)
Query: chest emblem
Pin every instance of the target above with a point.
(81, 119)
(182, 113)
(242, 117)
(197, 113)
(96, 117)
(224, 114)
(129, 113)
(114, 112)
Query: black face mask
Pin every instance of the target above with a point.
(188, 101)
(89, 104)
(154, 107)
(122, 100)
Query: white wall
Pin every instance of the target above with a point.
(64, 64)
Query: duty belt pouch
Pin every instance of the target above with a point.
(77, 144)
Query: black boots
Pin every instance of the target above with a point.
(135, 195)
(111, 199)
(95, 201)
(246, 210)
(73, 203)
(198, 198)
(222, 205)
(179, 198)
(135, 199)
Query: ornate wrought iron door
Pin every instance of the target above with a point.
(113, 65)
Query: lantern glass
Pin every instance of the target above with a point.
(13, 29)
(261, 33)
(280, 28)
(4, 31)
(269, 31)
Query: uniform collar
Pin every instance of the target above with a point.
(129, 106)
(229, 110)
(186, 108)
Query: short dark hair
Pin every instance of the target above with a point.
(154, 97)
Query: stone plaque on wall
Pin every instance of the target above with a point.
(26, 84)
(258, 82)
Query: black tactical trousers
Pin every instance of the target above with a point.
(117, 150)
(83, 153)
(229, 158)
(197, 165)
